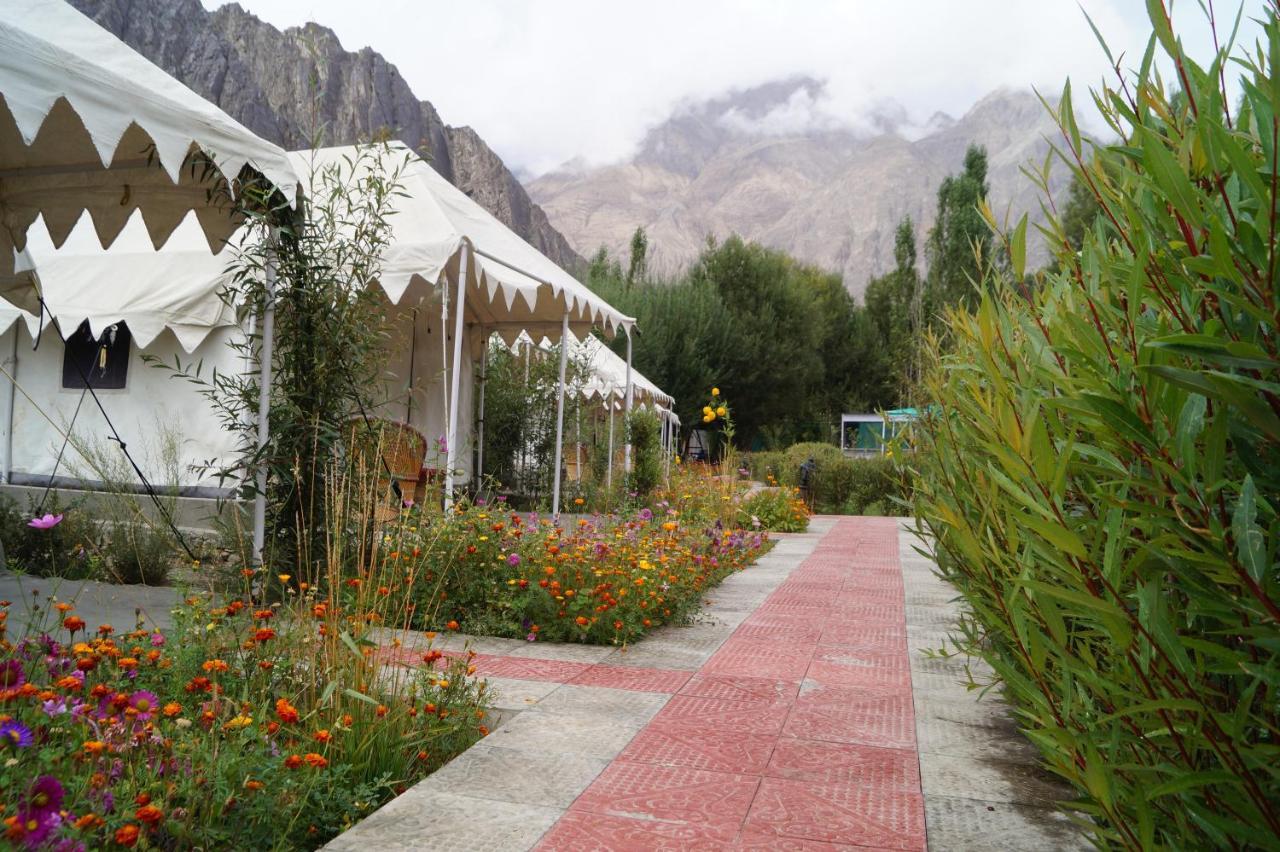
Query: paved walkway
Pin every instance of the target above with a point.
(797, 713)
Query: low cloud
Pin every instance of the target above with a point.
(547, 81)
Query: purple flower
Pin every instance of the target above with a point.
(38, 825)
(646, 514)
(12, 674)
(532, 637)
(144, 703)
(157, 640)
(68, 845)
(480, 501)
(513, 560)
(54, 707)
(15, 734)
(501, 498)
(408, 503)
(45, 796)
(47, 522)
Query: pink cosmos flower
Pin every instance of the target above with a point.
(47, 522)
(144, 703)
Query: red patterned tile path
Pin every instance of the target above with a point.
(797, 734)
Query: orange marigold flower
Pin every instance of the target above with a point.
(127, 835)
(262, 634)
(266, 665)
(263, 614)
(199, 684)
(293, 761)
(316, 761)
(214, 665)
(172, 709)
(69, 682)
(106, 629)
(86, 822)
(73, 623)
(286, 712)
(319, 610)
(452, 625)
(251, 784)
(149, 814)
(322, 735)
(95, 746)
(381, 711)
(127, 662)
(581, 620)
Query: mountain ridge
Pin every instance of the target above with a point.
(286, 84)
(773, 164)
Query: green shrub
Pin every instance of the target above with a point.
(646, 452)
(68, 550)
(1100, 468)
(775, 510)
(840, 485)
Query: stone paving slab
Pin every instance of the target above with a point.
(799, 711)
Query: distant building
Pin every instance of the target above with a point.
(870, 434)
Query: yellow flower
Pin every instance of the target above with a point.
(721, 411)
(706, 409)
(707, 418)
(715, 391)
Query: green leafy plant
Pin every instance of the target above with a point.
(1100, 463)
(646, 452)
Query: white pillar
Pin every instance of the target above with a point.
(451, 450)
(484, 375)
(608, 476)
(11, 368)
(266, 351)
(564, 363)
(626, 411)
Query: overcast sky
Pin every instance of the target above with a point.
(545, 81)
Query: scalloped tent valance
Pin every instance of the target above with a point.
(435, 220)
(87, 124)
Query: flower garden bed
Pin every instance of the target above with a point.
(255, 726)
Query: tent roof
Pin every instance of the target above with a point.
(179, 286)
(609, 374)
(441, 220)
(88, 124)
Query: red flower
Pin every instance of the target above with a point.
(262, 634)
(316, 761)
(292, 761)
(286, 712)
(127, 835)
(149, 814)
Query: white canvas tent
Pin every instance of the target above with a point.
(434, 262)
(86, 124)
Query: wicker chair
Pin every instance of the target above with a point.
(402, 449)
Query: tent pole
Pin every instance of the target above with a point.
(564, 363)
(266, 350)
(484, 377)
(577, 441)
(12, 368)
(608, 476)
(626, 412)
(451, 448)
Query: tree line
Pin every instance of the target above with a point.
(785, 340)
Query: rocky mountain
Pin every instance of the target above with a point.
(299, 85)
(755, 163)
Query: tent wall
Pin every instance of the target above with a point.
(152, 404)
(421, 403)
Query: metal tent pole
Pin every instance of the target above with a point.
(564, 363)
(608, 476)
(626, 412)
(484, 376)
(266, 350)
(451, 449)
